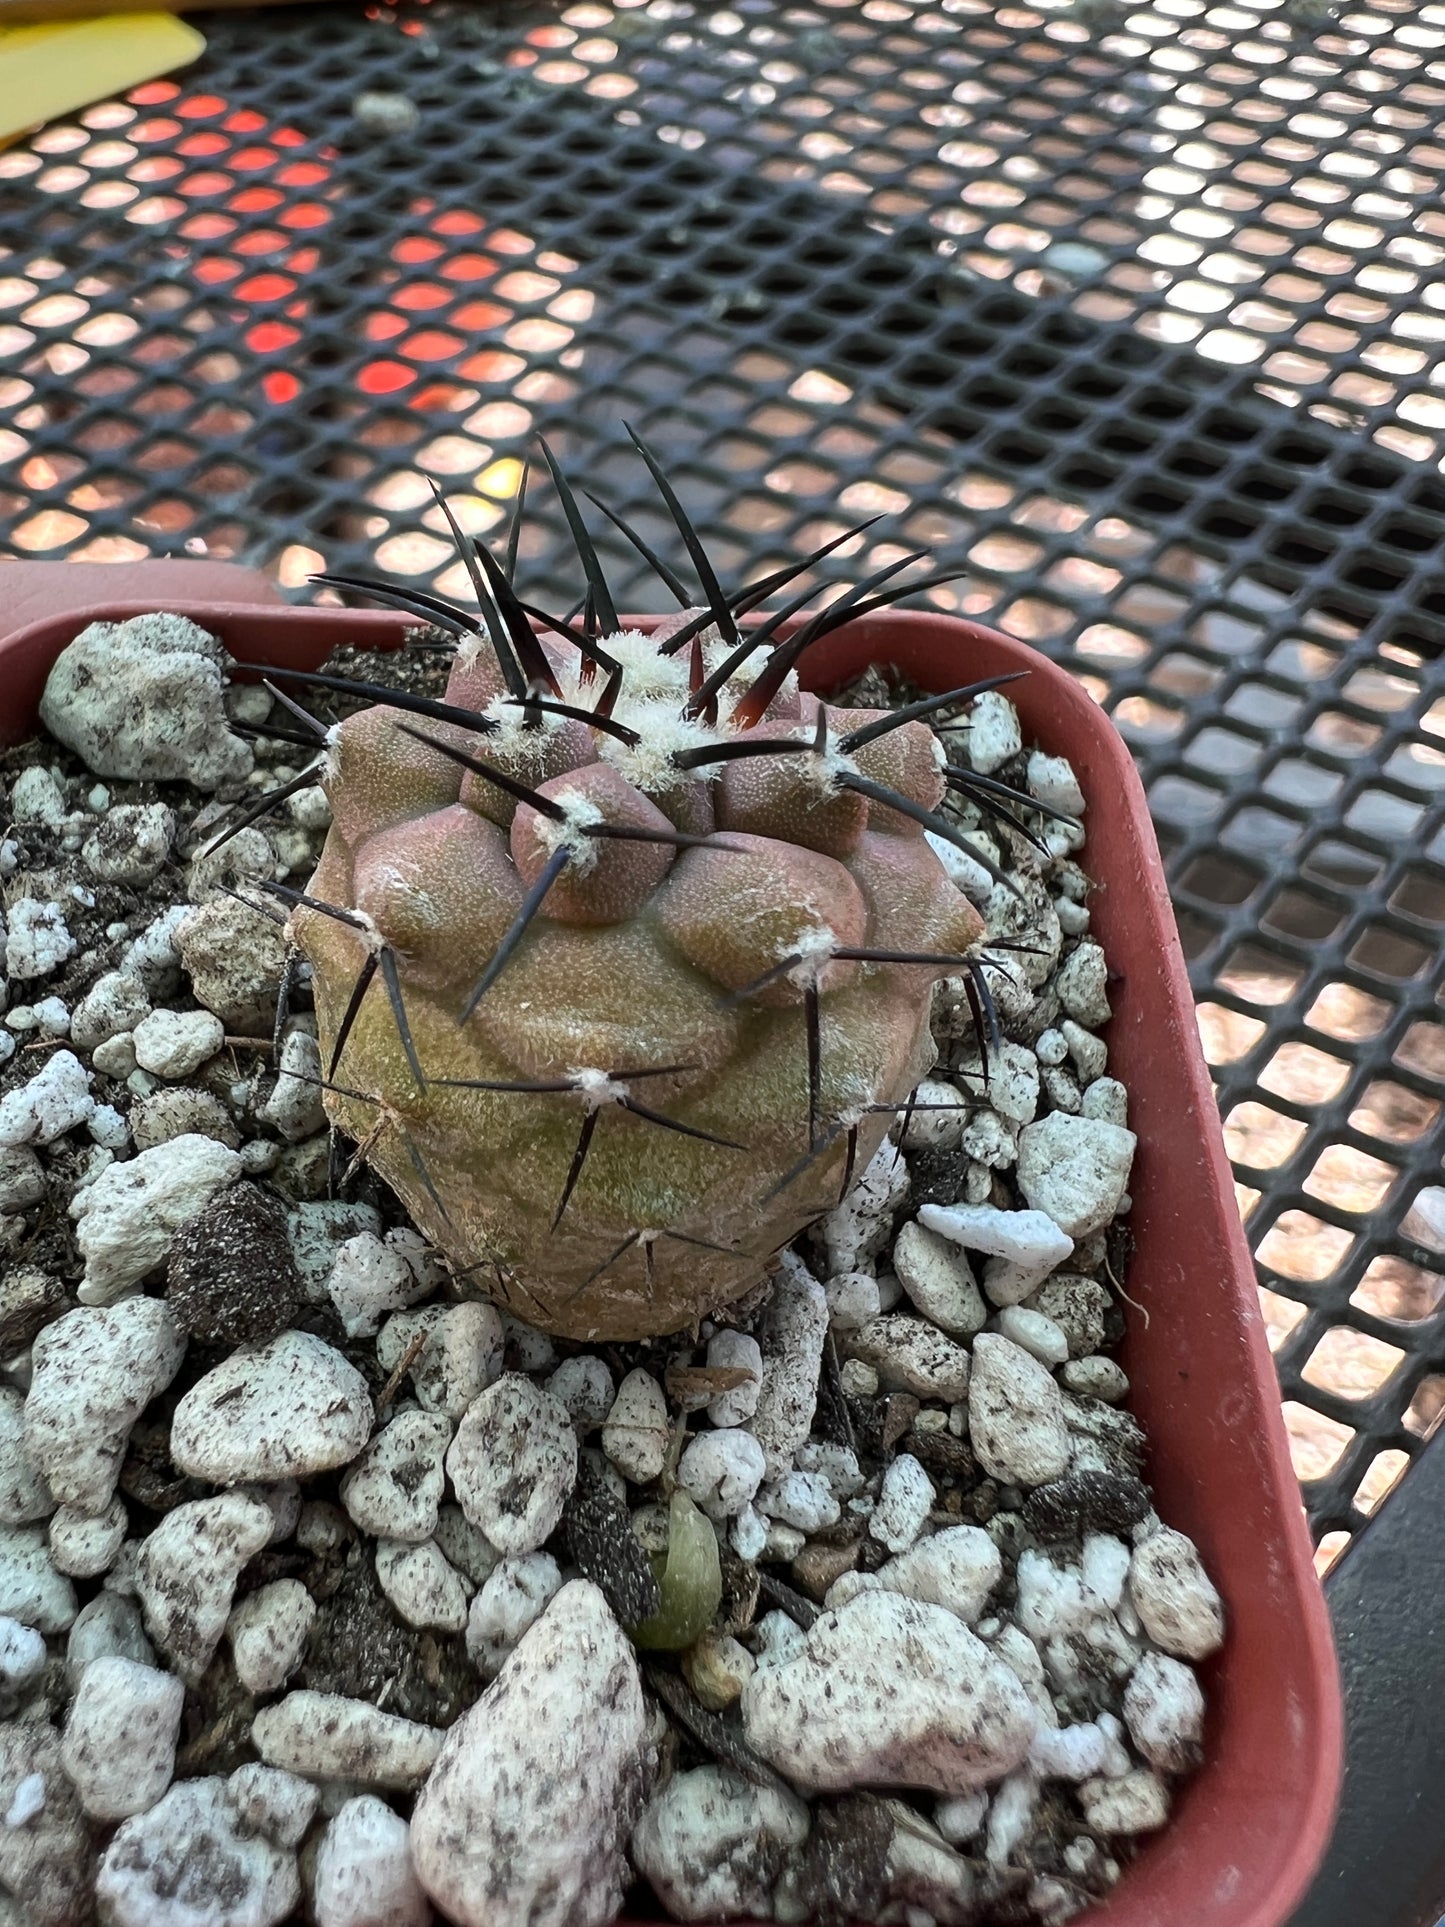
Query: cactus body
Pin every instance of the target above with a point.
(673, 1069)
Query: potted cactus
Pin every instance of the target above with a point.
(752, 1196)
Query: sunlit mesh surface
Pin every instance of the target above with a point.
(1137, 315)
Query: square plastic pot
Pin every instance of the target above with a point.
(1249, 1829)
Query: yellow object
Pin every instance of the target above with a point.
(47, 71)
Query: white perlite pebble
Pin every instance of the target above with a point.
(173, 1043)
(24, 1494)
(584, 1385)
(1164, 1712)
(1075, 1170)
(956, 1569)
(470, 1551)
(328, 1737)
(53, 1102)
(903, 1506)
(31, 1590)
(792, 1333)
(294, 1107)
(506, 1607)
(1138, 1802)
(801, 1499)
(130, 843)
(84, 1545)
(421, 1584)
(711, 1842)
(37, 940)
(127, 1217)
(736, 1351)
(1069, 1752)
(142, 699)
(462, 1354)
(858, 1228)
(283, 1410)
(992, 732)
(958, 1820)
(909, 1355)
(529, 1807)
(1012, 1085)
(721, 1471)
(1035, 1333)
(109, 1624)
(38, 796)
(636, 1433)
(119, 1745)
(1107, 1100)
(1052, 780)
(913, 1699)
(1024, 1246)
(939, 1128)
(1096, 1377)
(1177, 1604)
(22, 1660)
(93, 1372)
(107, 1126)
(1015, 1414)
(394, 1490)
(1082, 985)
(852, 1300)
(364, 1875)
(192, 1861)
(268, 1633)
(114, 1003)
(280, 1806)
(513, 1463)
(187, 1571)
(317, 1228)
(939, 1280)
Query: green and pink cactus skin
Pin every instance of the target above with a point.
(619, 978)
(632, 964)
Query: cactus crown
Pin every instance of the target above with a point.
(622, 951)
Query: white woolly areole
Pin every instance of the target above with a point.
(525, 742)
(664, 734)
(568, 833)
(596, 1088)
(470, 648)
(815, 952)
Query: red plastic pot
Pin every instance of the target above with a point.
(1250, 1828)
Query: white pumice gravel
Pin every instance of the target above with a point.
(54, 1101)
(326, 1736)
(507, 1605)
(119, 1745)
(92, 1374)
(174, 1043)
(891, 1427)
(422, 1585)
(364, 1876)
(394, 1490)
(635, 1432)
(127, 1217)
(284, 1410)
(268, 1633)
(513, 1463)
(187, 1570)
(914, 1700)
(905, 1500)
(542, 1779)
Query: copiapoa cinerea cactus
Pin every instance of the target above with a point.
(622, 953)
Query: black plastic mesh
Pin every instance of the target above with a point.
(1135, 314)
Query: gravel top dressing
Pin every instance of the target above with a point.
(332, 1592)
